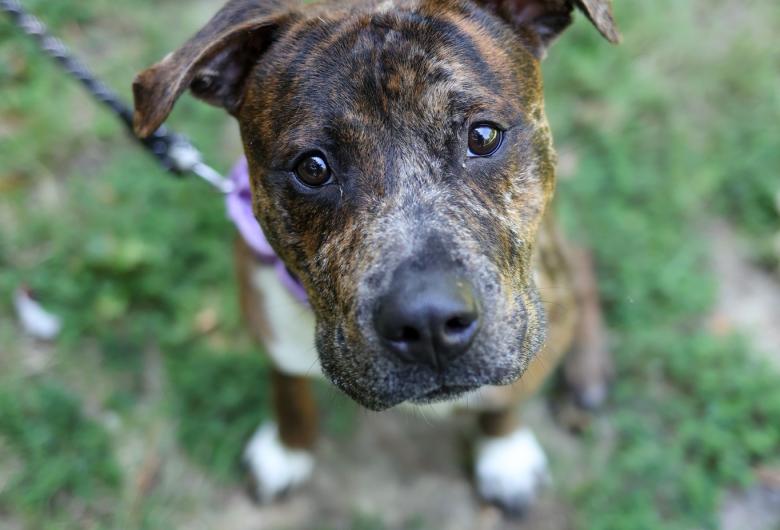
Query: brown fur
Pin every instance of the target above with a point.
(296, 410)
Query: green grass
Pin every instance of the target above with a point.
(692, 413)
(214, 426)
(128, 256)
(675, 126)
(62, 454)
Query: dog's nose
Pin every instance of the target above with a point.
(428, 317)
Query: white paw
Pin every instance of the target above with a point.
(510, 470)
(275, 468)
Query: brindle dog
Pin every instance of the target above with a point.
(401, 166)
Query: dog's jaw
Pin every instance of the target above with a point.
(377, 381)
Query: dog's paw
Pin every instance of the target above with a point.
(274, 468)
(510, 470)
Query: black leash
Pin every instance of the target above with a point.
(174, 152)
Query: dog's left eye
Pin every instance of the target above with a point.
(313, 170)
(484, 139)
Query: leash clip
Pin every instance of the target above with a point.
(186, 158)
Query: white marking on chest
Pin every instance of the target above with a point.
(291, 344)
(274, 467)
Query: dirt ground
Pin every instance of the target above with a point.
(748, 302)
(388, 470)
(749, 297)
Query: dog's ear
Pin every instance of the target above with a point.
(214, 63)
(544, 20)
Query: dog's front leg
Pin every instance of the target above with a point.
(509, 464)
(279, 455)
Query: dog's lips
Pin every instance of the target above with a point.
(443, 393)
(385, 382)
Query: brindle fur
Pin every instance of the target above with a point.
(387, 90)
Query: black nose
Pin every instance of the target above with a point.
(427, 317)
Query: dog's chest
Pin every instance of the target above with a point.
(289, 334)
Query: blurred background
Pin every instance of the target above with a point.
(134, 416)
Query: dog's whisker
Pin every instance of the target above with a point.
(422, 414)
(314, 363)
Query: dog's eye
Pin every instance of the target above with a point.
(313, 170)
(484, 139)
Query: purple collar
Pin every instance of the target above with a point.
(239, 210)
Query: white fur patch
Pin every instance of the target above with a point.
(291, 345)
(510, 469)
(274, 467)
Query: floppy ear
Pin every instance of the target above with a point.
(214, 63)
(544, 20)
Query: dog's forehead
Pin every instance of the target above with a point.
(393, 66)
(411, 52)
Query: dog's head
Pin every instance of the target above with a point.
(400, 162)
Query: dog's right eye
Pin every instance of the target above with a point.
(484, 140)
(313, 170)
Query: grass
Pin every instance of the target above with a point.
(675, 126)
(692, 413)
(65, 455)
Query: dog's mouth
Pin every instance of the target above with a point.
(378, 379)
(443, 393)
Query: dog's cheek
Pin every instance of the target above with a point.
(520, 201)
(498, 245)
(296, 226)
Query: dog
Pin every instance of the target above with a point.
(401, 167)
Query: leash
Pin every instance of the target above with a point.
(172, 150)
